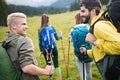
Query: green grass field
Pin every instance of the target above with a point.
(62, 22)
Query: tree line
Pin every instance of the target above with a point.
(31, 11)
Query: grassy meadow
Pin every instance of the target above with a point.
(62, 22)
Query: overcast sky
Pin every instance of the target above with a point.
(34, 3)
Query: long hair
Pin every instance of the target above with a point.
(44, 21)
(78, 19)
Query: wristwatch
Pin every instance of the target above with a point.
(95, 43)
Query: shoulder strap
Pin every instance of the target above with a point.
(105, 17)
(92, 26)
(9, 40)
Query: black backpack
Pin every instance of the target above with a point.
(113, 71)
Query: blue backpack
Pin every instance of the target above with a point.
(48, 39)
(78, 35)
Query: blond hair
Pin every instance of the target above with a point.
(12, 17)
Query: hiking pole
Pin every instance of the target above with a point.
(68, 55)
(64, 58)
(48, 62)
(83, 65)
(83, 68)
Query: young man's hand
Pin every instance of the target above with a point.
(49, 69)
(90, 38)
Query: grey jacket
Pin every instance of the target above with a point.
(21, 52)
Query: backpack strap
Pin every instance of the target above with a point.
(7, 41)
(103, 16)
(92, 26)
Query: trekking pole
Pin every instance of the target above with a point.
(68, 55)
(48, 62)
(83, 65)
(64, 58)
(83, 68)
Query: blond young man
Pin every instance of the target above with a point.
(21, 50)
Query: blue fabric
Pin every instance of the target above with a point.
(78, 35)
(48, 39)
(57, 37)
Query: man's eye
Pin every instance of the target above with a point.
(24, 24)
(82, 11)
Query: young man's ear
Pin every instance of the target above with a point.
(93, 12)
(13, 26)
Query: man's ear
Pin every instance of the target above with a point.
(93, 12)
(13, 26)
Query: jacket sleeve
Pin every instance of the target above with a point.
(26, 51)
(108, 39)
(57, 37)
(89, 53)
(40, 41)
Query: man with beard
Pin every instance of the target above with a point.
(105, 39)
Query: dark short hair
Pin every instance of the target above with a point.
(91, 4)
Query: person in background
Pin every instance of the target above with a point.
(54, 51)
(21, 50)
(105, 38)
(82, 29)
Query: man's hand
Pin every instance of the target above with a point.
(90, 38)
(50, 69)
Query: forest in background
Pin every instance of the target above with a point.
(32, 11)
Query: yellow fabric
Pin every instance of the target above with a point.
(108, 40)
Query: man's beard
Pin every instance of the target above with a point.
(87, 18)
